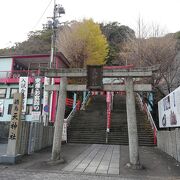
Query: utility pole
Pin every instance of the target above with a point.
(58, 10)
(52, 24)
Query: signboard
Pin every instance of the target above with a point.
(23, 89)
(1, 107)
(15, 116)
(36, 107)
(169, 110)
(45, 101)
(64, 133)
(95, 77)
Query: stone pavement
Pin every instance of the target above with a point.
(100, 159)
(55, 175)
(87, 161)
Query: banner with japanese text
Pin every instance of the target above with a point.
(36, 106)
(23, 89)
(15, 116)
(1, 106)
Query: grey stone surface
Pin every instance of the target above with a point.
(5, 159)
(97, 159)
(158, 165)
(3, 148)
(113, 171)
(47, 175)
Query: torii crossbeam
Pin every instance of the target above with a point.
(129, 87)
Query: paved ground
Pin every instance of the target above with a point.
(85, 161)
(98, 159)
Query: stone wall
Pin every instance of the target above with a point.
(169, 142)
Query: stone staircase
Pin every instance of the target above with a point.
(119, 130)
(89, 126)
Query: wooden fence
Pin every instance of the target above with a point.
(35, 136)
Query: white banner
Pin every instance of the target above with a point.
(169, 110)
(64, 134)
(45, 111)
(1, 106)
(23, 88)
(36, 107)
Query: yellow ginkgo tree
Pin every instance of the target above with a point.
(83, 43)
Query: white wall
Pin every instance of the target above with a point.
(5, 65)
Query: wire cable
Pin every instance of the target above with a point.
(42, 15)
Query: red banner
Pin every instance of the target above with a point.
(108, 100)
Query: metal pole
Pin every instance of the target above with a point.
(52, 58)
(53, 35)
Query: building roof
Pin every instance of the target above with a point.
(37, 58)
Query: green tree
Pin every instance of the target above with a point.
(83, 43)
(116, 35)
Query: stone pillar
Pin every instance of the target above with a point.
(12, 154)
(56, 149)
(132, 124)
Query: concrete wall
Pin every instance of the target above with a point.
(169, 142)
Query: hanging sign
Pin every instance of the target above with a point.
(36, 107)
(95, 77)
(23, 89)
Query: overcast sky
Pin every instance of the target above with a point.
(18, 17)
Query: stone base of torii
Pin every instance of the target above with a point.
(129, 87)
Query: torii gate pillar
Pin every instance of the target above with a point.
(132, 124)
(56, 149)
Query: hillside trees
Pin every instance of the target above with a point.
(154, 50)
(38, 42)
(116, 35)
(83, 43)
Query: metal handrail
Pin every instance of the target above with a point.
(84, 101)
(68, 119)
(148, 113)
(71, 114)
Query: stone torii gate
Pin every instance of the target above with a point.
(129, 87)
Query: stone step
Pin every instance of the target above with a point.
(89, 126)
